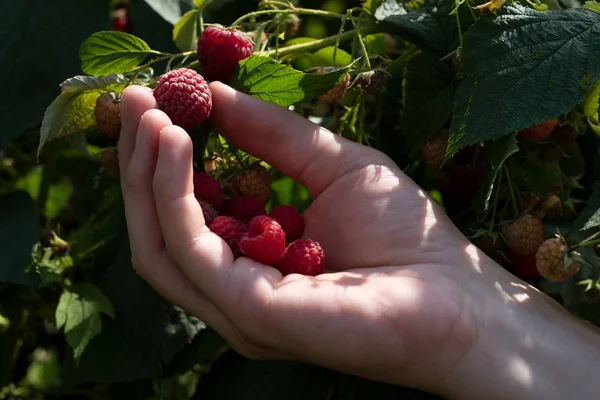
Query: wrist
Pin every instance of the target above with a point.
(527, 347)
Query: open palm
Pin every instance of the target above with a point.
(397, 267)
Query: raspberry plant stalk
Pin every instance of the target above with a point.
(491, 107)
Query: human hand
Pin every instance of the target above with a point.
(407, 298)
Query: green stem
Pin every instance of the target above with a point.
(363, 47)
(493, 221)
(337, 42)
(459, 28)
(512, 192)
(587, 244)
(320, 43)
(299, 11)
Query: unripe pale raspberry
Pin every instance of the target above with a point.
(550, 261)
(304, 256)
(253, 181)
(292, 26)
(108, 114)
(220, 50)
(539, 132)
(434, 150)
(338, 91)
(373, 82)
(524, 235)
(184, 96)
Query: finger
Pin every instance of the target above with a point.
(297, 147)
(149, 254)
(135, 101)
(203, 257)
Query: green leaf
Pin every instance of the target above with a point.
(591, 102)
(522, 68)
(592, 5)
(590, 216)
(266, 79)
(538, 176)
(40, 42)
(428, 91)
(73, 110)
(145, 335)
(19, 230)
(78, 311)
(170, 10)
(205, 349)
(112, 52)
(496, 154)
(431, 27)
(185, 33)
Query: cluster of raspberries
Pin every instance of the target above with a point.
(273, 239)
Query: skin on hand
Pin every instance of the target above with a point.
(407, 298)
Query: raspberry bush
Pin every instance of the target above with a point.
(503, 138)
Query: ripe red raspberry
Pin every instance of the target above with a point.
(220, 50)
(304, 256)
(524, 235)
(209, 212)
(108, 114)
(230, 230)
(184, 96)
(550, 261)
(253, 181)
(243, 208)
(434, 150)
(338, 92)
(109, 159)
(264, 240)
(290, 220)
(523, 265)
(208, 189)
(539, 132)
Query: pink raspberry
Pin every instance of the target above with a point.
(230, 230)
(208, 189)
(304, 256)
(220, 50)
(264, 240)
(243, 208)
(184, 96)
(290, 220)
(209, 212)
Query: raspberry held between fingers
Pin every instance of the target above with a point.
(184, 96)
